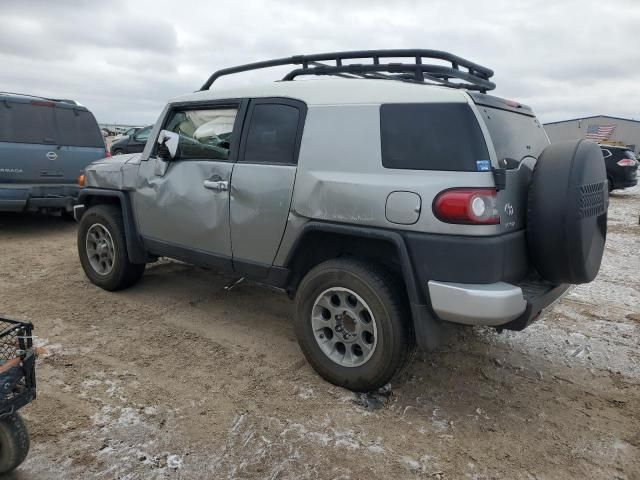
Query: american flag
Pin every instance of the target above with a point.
(599, 132)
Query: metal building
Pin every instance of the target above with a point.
(601, 128)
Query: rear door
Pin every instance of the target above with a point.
(262, 181)
(28, 149)
(79, 139)
(518, 139)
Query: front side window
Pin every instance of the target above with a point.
(204, 133)
(272, 134)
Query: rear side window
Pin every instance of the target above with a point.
(272, 134)
(431, 136)
(26, 123)
(78, 128)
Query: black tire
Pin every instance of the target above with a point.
(123, 273)
(14, 442)
(117, 151)
(567, 212)
(610, 184)
(379, 289)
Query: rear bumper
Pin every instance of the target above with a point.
(498, 304)
(625, 183)
(623, 177)
(17, 198)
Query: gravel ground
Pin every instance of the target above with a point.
(178, 378)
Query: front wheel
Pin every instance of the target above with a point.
(102, 248)
(352, 324)
(14, 442)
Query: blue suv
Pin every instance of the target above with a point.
(45, 144)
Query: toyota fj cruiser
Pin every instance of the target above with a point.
(388, 203)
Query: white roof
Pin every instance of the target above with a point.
(336, 91)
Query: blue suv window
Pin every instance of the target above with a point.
(78, 128)
(431, 136)
(27, 123)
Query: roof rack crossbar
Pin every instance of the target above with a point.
(434, 73)
(476, 77)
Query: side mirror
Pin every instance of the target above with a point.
(168, 145)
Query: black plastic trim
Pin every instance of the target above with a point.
(416, 295)
(534, 308)
(135, 247)
(193, 256)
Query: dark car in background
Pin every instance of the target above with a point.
(45, 144)
(131, 143)
(622, 166)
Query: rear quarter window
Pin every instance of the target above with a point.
(26, 123)
(431, 136)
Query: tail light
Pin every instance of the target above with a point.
(81, 180)
(107, 153)
(626, 162)
(474, 206)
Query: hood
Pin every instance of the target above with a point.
(109, 172)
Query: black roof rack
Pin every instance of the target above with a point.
(461, 73)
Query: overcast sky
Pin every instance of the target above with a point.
(125, 59)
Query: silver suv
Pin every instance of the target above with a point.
(388, 203)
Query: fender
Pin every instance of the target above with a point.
(91, 196)
(429, 331)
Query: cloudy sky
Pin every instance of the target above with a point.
(124, 59)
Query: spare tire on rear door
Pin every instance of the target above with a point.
(567, 212)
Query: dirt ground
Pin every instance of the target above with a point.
(179, 378)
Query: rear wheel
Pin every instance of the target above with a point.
(14, 442)
(352, 324)
(118, 152)
(610, 184)
(102, 248)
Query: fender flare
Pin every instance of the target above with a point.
(135, 248)
(429, 330)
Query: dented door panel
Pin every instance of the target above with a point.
(260, 200)
(177, 208)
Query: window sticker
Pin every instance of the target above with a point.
(483, 165)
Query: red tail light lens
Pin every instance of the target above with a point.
(626, 162)
(107, 153)
(474, 206)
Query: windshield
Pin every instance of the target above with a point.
(514, 135)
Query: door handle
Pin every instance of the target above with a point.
(219, 185)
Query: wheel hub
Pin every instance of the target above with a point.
(346, 326)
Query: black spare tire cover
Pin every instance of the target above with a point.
(567, 212)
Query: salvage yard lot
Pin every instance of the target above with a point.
(180, 378)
